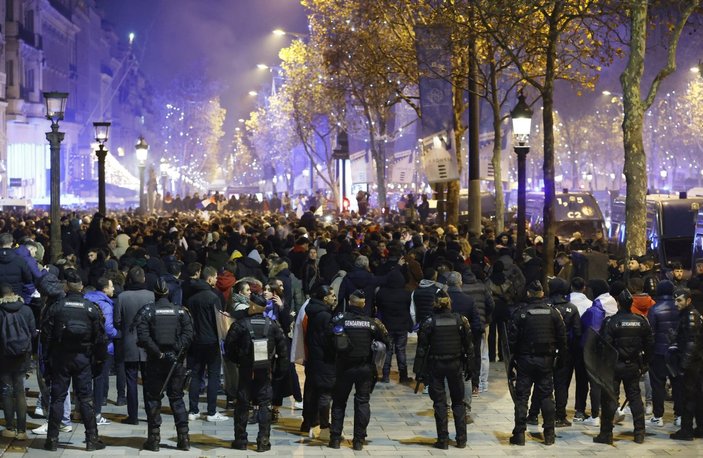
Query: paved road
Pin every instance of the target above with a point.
(402, 424)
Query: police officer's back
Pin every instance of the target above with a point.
(536, 336)
(353, 335)
(631, 335)
(445, 352)
(165, 331)
(73, 338)
(257, 344)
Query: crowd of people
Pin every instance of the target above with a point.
(227, 303)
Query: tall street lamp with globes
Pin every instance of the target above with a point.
(522, 123)
(164, 168)
(102, 130)
(55, 108)
(142, 149)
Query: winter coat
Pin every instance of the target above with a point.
(32, 263)
(127, 305)
(108, 308)
(248, 267)
(202, 305)
(664, 319)
(393, 302)
(641, 303)
(464, 304)
(320, 362)
(359, 279)
(14, 304)
(593, 319)
(481, 294)
(15, 271)
(175, 291)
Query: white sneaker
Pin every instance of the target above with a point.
(627, 411)
(426, 389)
(8, 433)
(656, 421)
(649, 409)
(677, 421)
(43, 429)
(619, 417)
(217, 417)
(298, 405)
(193, 416)
(101, 421)
(21, 436)
(38, 411)
(590, 421)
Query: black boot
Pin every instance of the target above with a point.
(357, 444)
(51, 444)
(639, 437)
(263, 444)
(93, 442)
(549, 438)
(183, 442)
(442, 444)
(335, 442)
(682, 435)
(461, 442)
(152, 440)
(604, 438)
(239, 444)
(517, 439)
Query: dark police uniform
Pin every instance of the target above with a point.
(355, 368)
(73, 336)
(165, 331)
(255, 377)
(631, 335)
(689, 340)
(445, 340)
(536, 334)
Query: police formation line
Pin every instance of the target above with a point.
(536, 352)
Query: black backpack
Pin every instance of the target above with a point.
(15, 335)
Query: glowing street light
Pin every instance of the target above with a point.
(262, 66)
(522, 125)
(253, 93)
(101, 133)
(55, 107)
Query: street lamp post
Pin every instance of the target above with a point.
(55, 107)
(164, 168)
(522, 122)
(142, 149)
(102, 130)
(341, 155)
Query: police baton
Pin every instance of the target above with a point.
(170, 373)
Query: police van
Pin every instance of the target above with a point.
(670, 228)
(573, 212)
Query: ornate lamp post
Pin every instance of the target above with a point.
(102, 130)
(341, 155)
(522, 123)
(55, 107)
(142, 149)
(164, 168)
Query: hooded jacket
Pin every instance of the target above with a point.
(108, 308)
(393, 302)
(663, 318)
(202, 305)
(483, 299)
(122, 242)
(14, 270)
(593, 319)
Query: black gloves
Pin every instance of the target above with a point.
(171, 357)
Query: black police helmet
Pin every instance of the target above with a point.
(161, 288)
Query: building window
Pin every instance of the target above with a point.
(29, 80)
(10, 10)
(29, 21)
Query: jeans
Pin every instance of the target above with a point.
(201, 356)
(485, 365)
(13, 400)
(399, 341)
(100, 386)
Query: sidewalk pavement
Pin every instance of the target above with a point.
(402, 424)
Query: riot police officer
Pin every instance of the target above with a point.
(689, 340)
(257, 344)
(165, 331)
(536, 336)
(444, 351)
(73, 336)
(354, 333)
(631, 336)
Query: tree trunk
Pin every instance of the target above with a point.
(497, 152)
(453, 188)
(635, 168)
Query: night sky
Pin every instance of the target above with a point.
(232, 36)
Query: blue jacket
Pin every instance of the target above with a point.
(592, 318)
(664, 319)
(108, 308)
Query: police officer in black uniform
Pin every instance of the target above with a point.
(73, 336)
(257, 344)
(689, 340)
(536, 336)
(165, 331)
(559, 299)
(445, 349)
(631, 335)
(353, 334)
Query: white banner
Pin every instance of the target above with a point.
(362, 170)
(403, 167)
(439, 157)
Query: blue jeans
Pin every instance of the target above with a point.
(399, 341)
(203, 356)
